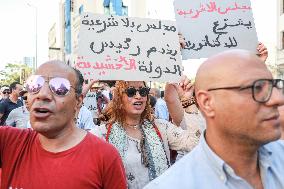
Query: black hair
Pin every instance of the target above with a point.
(110, 83)
(13, 85)
(162, 94)
(153, 101)
(79, 82)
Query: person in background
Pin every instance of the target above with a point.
(183, 111)
(5, 91)
(161, 110)
(102, 100)
(12, 102)
(56, 153)
(106, 91)
(162, 94)
(85, 119)
(239, 99)
(153, 102)
(20, 117)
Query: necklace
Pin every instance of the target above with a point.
(132, 126)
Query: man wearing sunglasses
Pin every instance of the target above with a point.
(20, 116)
(12, 102)
(239, 99)
(56, 153)
(5, 91)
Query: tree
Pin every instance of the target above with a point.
(14, 72)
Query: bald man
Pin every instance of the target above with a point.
(56, 153)
(240, 148)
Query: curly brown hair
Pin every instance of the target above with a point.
(116, 113)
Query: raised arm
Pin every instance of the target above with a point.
(174, 94)
(87, 87)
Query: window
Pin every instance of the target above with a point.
(125, 10)
(110, 9)
(72, 5)
(282, 39)
(81, 9)
(106, 7)
(283, 6)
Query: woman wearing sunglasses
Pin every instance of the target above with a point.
(142, 141)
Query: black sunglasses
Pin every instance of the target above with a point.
(24, 97)
(6, 92)
(131, 91)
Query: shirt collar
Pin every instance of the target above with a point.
(24, 108)
(265, 154)
(10, 101)
(223, 169)
(217, 163)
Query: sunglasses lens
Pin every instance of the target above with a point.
(144, 91)
(34, 83)
(59, 86)
(130, 92)
(24, 97)
(5, 92)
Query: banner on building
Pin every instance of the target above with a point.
(131, 49)
(212, 26)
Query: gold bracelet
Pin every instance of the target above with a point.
(187, 102)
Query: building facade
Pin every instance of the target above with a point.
(280, 38)
(29, 61)
(65, 48)
(54, 51)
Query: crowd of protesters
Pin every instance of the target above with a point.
(225, 128)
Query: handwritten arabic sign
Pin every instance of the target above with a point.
(90, 102)
(212, 26)
(133, 49)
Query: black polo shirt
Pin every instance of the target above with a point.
(6, 106)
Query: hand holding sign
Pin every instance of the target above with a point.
(262, 52)
(86, 87)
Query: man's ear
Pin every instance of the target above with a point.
(79, 102)
(205, 103)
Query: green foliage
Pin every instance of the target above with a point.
(14, 72)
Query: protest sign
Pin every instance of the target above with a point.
(90, 102)
(131, 49)
(212, 26)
